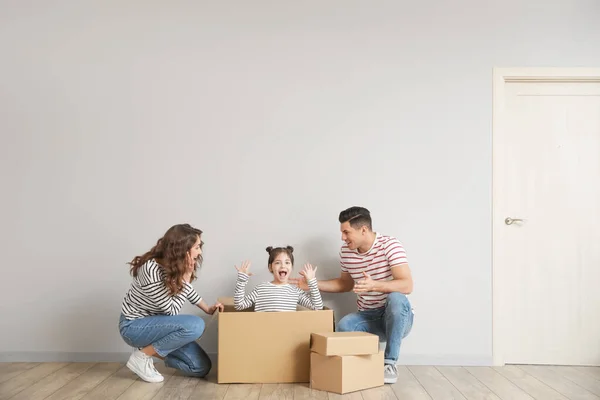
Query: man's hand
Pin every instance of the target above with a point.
(308, 272)
(245, 268)
(300, 282)
(344, 283)
(365, 285)
(217, 306)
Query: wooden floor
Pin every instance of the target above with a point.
(37, 381)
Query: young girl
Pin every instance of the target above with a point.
(278, 295)
(149, 313)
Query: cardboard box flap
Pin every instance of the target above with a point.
(344, 343)
(228, 305)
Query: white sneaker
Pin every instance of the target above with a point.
(143, 366)
(390, 373)
(154, 370)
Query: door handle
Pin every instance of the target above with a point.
(510, 221)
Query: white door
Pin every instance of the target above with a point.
(546, 152)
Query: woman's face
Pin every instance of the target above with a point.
(196, 251)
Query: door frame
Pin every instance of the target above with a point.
(502, 76)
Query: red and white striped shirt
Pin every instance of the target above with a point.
(386, 252)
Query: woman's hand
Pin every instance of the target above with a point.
(210, 310)
(217, 306)
(308, 272)
(245, 268)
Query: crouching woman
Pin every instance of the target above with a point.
(150, 320)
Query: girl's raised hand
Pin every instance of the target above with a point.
(244, 268)
(308, 272)
(300, 282)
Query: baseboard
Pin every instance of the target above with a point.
(445, 360)
(62, 356)
(57, 356)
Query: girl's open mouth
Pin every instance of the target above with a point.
(282, 274)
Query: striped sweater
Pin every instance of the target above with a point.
(148, 294)
(270, 297)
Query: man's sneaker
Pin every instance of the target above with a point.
(143, 366)
(390, 373)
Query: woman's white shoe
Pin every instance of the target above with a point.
(143, 366)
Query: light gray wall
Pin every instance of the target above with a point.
(257, 122)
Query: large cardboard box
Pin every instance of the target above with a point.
(267, 347)
(347, 372)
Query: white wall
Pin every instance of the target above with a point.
(257, 122)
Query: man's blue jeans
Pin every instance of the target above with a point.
(174, 339)
(392, 323)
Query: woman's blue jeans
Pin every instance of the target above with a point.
(174, 339)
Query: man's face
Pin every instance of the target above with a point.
(353, 237)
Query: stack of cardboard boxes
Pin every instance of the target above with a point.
(295, 347)
(342, 362)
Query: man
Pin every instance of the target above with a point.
(375, 267)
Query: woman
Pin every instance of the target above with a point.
(149, 315)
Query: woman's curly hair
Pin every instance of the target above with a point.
(171, 252)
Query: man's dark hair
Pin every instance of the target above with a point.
(357, 216)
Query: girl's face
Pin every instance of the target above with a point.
(281, 268)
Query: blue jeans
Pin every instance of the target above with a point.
(392, 323)
(174, 339)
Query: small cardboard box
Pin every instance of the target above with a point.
(344, 343)
(343, 362)
(267, 347)
(344, 374)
